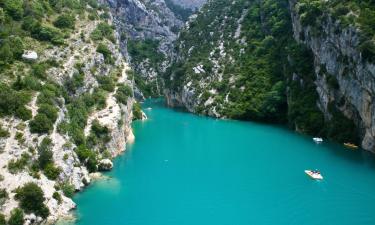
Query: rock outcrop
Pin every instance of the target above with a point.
(336, 54)
(80, 56)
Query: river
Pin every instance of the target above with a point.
(185, 169)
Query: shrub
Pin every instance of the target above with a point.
(87, 157)
(48, 110)
(2, 219)
(31, 198)
(101, 31)
(45, 153)
(103, 49)
(3, 132)
(106, 83)
(16, 166)
(11, 101)
(16, 217)
(65, 21)
(123, 93)
(23, 113)
(56, 195)
(137, 111)
(3, 196)
(39, 70)
(41, 124)
(51, 171)
(67, 189)
(14, 8)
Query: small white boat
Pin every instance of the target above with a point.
(318, 140)
(149, 108)
(314, 174)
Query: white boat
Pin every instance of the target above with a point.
(314, 174)
(318, 140)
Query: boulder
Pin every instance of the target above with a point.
(30, 55)
(105, 165)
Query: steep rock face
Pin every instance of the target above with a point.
(230, 62)
(79, 57)
(148, 29)
(193, 4)
(336, 54)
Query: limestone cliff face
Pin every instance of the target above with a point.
(145, 20)
(115, 116)
(336, 53)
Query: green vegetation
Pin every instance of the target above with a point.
(65, 21)
(359, 14)
(67, 189)
(181, 12)
(2, 219)
(123, 93)
(31, 198)
(3, 197)
(102, 48)
(16, 217)
(12, 103)
(16, 166)
(56, 195)
(137, 111)
(140, 50)
(45, 159)
(103, 30)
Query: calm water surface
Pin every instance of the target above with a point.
(189, 170)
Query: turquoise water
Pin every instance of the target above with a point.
(189, 170)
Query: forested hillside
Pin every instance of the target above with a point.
(304, 63)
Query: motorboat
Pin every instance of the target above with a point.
(318, 140)
(350, 145)
(314, 174)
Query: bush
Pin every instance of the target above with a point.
(137, 111)
(101, 31)
(56, 195)
(3, 132)
(45, 156)
(16, 166)
(16, 217)
(31, 198)
(65, 21)
(41, 124)
(3, 197)
(23, 113)
(67, 189)
(103, 49)
(48, 110)
(123, 93)
(51, 171)
(14, 8)
(88, 157)
(11, 101)
(106, 83)
(2, 219)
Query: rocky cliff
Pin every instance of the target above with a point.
(148, 30)
(307, 63)
(338, 58)
(77, 114)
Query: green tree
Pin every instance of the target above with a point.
(14, 8)
(45, 153)
(31, 198)
(41, 124)
(65, 21)
(16, 217)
